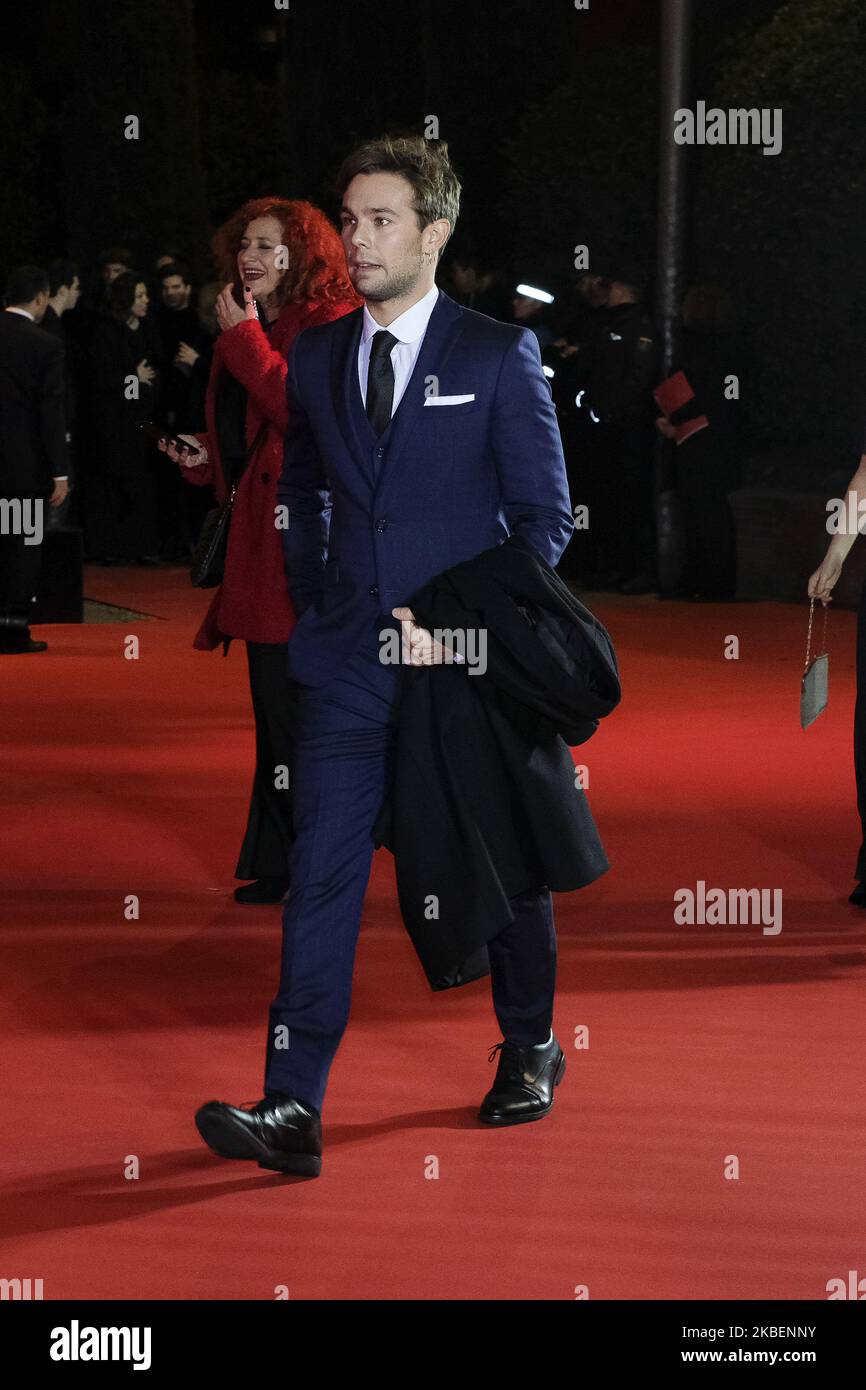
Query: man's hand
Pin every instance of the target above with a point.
(60, 493)
(664, 426)
(418, 646)
(185, 356)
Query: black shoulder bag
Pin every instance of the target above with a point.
(209, 560)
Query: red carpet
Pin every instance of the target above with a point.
(131, 777)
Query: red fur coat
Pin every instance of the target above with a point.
(253, 602)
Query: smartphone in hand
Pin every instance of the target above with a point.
(160, 433)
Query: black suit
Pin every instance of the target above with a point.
(32, 453)
(623, 371)
(129, 471)
(52, 322)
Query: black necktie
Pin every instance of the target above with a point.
(380, 382)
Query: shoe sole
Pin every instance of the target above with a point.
(228, 1140)
(503, 1120)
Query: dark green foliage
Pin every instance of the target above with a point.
(787, 232)
(583, 168)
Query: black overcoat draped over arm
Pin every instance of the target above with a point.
(484, 803)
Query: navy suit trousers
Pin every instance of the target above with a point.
(343, 761)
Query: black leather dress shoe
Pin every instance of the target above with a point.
(278, 1133)
(20, 648)
(858, 897)
(525, 1078)
(264, 890)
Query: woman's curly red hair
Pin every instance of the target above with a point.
(317, 266)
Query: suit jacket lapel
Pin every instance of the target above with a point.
(443, 329)
(344, 381)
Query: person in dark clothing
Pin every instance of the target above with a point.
(199, 361)
(83, 325)
(33, 451)
(184, 345)
(123, 379)
(113, 261)
(172, 255)
(64, 287)
(618, 400)
(183, 339)
(707, 462)
(821, 585)
(570, 357)
(479, 286)
(530, 309)
(199, 376)
(580, 319)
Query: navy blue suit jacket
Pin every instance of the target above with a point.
(371, 521)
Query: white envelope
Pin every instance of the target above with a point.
(449, 400)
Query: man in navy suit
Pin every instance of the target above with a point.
(421, 434)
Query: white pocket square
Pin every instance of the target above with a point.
(449, 400)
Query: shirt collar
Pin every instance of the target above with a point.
(26, 314)
(410, 325)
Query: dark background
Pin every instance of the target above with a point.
(550, 115)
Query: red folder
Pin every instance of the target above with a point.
(690, 427)
(673, 394)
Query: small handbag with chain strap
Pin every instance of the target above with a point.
(813, 687)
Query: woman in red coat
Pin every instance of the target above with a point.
(289, 261)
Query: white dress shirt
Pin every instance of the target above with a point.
(409, 329)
